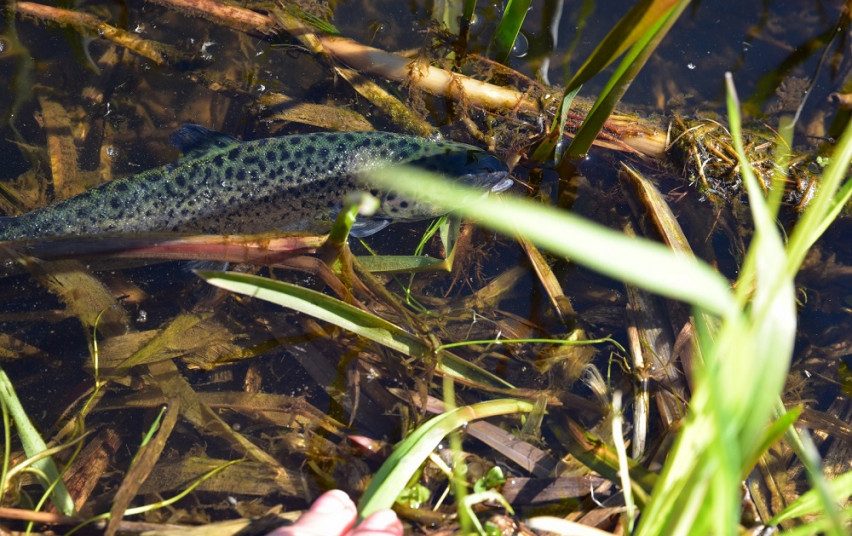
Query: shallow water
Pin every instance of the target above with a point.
(119, 110)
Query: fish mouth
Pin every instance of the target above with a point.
(503, 182)
(493, 181)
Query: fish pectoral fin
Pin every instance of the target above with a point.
(364, 228)
(196, 140)
(205, 266)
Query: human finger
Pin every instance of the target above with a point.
(381, 523)
(332, 514)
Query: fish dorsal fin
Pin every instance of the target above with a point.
(194, 140)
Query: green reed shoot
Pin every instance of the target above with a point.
(637, 35)
(507, 30)
(34, 445)
(747, 342)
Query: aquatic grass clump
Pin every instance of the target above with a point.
(747, 341)
(421, 328)
(349, 317)
(39, 460)
(708, 156)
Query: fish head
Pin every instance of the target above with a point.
(464, 164)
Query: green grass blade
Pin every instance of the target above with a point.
(746, 364)
(407, 457)
(773, 307)
(628, 30)
(810, 457)
(391, 264)
(631, 64)
(7, 447)
(781, 156)
(738, 388)
(449, 229)
(771, 435)
(507, 30)
(826, 204)
(548, 146)
(641, 262)
(33, 444)
(820, 526)
(809, 503)
(458, 482)
(351, 318)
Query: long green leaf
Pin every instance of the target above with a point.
(623, 35)
(641, 262)
(657, 26)
(745, 367)
(771, 436)
(826, 204)
(351, 318)
(507, 31)
(406, 458)
(809, 503)
(548, 146)
(773, 313)
(33, 444)
(773, 308)
(389, 264)
(819, 526)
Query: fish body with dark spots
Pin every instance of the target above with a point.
(290, 183)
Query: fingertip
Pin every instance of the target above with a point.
(333, 502)
(333, 513)
(383, 522)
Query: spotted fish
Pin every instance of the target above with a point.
(288, 183)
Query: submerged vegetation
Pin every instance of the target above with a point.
(665, 364)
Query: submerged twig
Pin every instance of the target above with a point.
(399, 112)
(431, 79)
(244, 20)
(141, 467)
(61, 151)
(157, 52)
(631, 136)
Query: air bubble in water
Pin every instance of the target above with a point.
(561, 146)
(205, 50)
(521, 46)
(475, 22)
